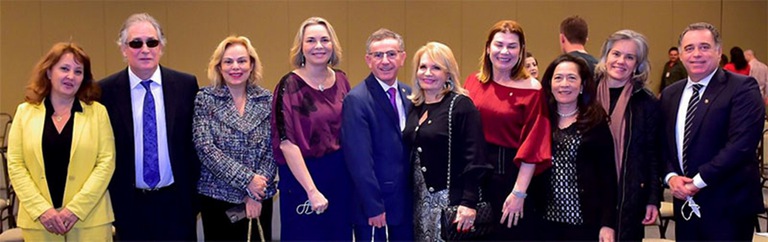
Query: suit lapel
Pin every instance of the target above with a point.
(77, 130)
(169, 100)
(123, 106)
(672, 110)
(38, 124)
(380, 97)
(404, 92)
(713, 89)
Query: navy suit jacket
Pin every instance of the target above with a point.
(727, 127)
(375, 154)
(179, 91)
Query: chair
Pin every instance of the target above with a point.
(666, 214)
(7, 204)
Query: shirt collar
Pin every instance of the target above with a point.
(384, 85)
(704, 81)
(135, 80)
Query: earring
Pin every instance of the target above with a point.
(302, 60)
(581, 91)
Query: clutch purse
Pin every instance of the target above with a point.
(483, 223)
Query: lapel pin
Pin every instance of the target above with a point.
(706, 101)
(402, 89)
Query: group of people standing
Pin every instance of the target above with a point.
(587, 145)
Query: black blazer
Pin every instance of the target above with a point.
(726, 129)
(179, 90)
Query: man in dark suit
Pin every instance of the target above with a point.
(713, 122)
(154, 186)
(373, 118)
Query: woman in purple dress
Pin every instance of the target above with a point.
(314, 183)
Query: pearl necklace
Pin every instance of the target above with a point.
(569, 114)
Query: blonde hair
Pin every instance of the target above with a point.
(442, 55)
(214, 66)
(297, 56)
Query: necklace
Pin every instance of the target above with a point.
(57, 118)
(569, 114)
(320, 87)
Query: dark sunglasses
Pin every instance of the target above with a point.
(136, 44)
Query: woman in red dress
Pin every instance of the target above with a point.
(516, 129)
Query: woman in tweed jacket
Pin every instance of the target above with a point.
(231, 134)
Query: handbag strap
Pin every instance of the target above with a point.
(450, 139)
(450, 124)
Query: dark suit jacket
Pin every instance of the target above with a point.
(179, 90)
(727, 126)
(375, 154)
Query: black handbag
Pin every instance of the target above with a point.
(483, 220)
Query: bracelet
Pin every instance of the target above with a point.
(519, 194)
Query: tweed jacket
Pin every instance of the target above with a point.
(233, 148)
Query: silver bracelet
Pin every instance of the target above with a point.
(519, 194)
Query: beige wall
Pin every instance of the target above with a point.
(193, 28)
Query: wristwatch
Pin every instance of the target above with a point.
(519, 194)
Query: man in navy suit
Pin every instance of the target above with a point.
(154, 185)
(713, 122)
(373, 118)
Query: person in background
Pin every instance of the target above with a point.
(232, 137)
(621, 75)
(431, 132)
(574, 33)
(759, 71)
(581, 191)
(61, 134)
(151, 108)
(738, 62)
(673, 69)
(373, 117)
(516, 127)
(531, 65)
(713, 122)
(723, 60)
(306, 132)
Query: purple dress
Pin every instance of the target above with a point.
(311, 119)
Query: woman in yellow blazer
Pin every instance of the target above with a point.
(61, 152)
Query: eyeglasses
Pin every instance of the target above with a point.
(137, 43)
(380, 55)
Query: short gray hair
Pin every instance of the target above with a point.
(122, 36)
(383, 34)
(701, 26)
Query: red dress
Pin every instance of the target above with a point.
(731, 67)
(514, 118)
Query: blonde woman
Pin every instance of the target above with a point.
(231, 135)
(306, 127)
(436, 87)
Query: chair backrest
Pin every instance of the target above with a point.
(5, 124)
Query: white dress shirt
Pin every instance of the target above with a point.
(680, 123)
(398, 101)
(137, 106)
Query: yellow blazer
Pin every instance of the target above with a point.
(92, 162)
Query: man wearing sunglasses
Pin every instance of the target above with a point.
(373, 117)
(151, 107)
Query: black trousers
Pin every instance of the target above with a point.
(496, 190)
(217, 226)
(159, 215)
(715, 224)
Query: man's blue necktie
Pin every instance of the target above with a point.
(151, 166)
